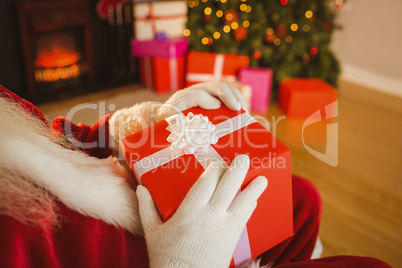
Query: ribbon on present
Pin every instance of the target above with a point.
(215, 76)
(195, 140)
(150, 17)
(173, 68)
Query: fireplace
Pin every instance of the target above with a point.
(57, 44)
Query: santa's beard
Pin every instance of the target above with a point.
(36, 170)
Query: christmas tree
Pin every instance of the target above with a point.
(290, 36)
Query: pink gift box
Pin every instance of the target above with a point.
(260, 80)
(160, 48)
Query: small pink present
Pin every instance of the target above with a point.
(260, 80)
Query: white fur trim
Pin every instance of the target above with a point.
(129, 120)
(91, 186)
(95, 187)
(318, 249)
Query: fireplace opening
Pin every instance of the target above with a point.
(66, 50)
(59, 60)
(56, 50)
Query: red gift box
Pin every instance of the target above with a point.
(162, 74)
(169, 176)
(302, 97)
(204, 67)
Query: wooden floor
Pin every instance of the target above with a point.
(362, 196)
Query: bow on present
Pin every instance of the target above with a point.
(194, 134)
(190, 134)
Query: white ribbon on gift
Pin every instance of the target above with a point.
(173, 68)
(173, 72)
(242, 251)
(217, 74)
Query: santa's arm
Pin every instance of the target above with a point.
(93, 140)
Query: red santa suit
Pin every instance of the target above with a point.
(83, 241)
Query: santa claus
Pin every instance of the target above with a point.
(67, 205)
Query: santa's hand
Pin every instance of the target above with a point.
(206, 227)
(205, 95)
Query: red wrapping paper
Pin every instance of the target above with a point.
(301, 97)
(204, 67)
(162, 74)
(271, 222)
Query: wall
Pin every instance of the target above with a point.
(11, 65)
(370, 43)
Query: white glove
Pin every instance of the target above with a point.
(202, 95)
(206, 227)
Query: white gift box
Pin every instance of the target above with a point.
(156, 17)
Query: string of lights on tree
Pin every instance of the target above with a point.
(291, 36)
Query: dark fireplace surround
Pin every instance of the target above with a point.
(57, 49)
(56, 39)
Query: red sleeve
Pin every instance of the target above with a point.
(26, 105)
(93, 140)
(79, 241)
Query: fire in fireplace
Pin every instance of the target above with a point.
(57, 58)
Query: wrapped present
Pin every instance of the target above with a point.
(302, 97)
(260, 80)
(162, 74)
(176, 47)
(204, 67)
(160, 162)
(168, 17)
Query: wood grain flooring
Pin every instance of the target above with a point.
(362, 195)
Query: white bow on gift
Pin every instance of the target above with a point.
(190, 134)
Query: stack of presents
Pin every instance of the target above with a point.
(167, 64)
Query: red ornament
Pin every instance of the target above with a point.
(313, 51)
(281, 30)
(270, 38)
(231, 16)
(240, 33)
(207, 18)
(210, 41)
(284, 2)
(257, 54)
